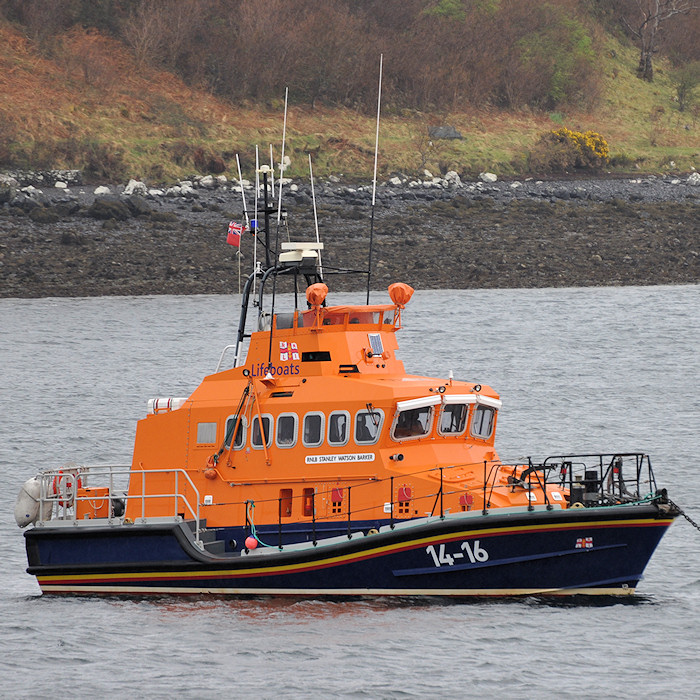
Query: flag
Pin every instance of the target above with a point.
(234, 234)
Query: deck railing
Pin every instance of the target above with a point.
(590, 479)
(61, 495)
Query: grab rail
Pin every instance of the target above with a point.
(59, 490)
(591, 480)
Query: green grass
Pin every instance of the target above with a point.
(150, 125)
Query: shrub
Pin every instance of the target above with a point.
(686, 80)
(562, 150)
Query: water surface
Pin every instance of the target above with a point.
(578, 370)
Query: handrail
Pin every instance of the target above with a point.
(76, 476)
(591, 479)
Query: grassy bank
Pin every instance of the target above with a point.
(87, 104)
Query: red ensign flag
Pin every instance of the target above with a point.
(234, 234)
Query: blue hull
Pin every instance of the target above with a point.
(591, 550)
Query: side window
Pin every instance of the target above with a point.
(240, 432)
(453, 419)
(286, 430)
(413, 424)
(368, 425)
(482, 423)
(256, 438)
(338, 428)
(312, 434)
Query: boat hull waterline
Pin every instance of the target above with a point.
(593, 551)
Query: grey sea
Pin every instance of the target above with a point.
(578, 370)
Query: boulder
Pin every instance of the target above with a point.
(8, 180)
(24, 202)
(453, 179)
(44, 215)
(7, 191)
(109, 208)
(444, 132)
(136, 187)
(693, 179)
(208, 182)
(488, 177)
(138, 206)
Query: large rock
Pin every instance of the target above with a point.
(452, 178)
(694, 179)
(444, 132)
(109, 208)
(208, 182)
(44, 215)
(136, 187)
(138, 206)
(7, 192)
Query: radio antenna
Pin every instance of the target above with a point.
(279, 219)
(247, 219)
(374, 182)
(313, 199)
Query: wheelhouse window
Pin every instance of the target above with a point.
(286, 430)
(312, 433)
(453, 419)
(368, 425)
(240, 432)
(338, 428)
(256, 437)
(482, 423)
(413, 423)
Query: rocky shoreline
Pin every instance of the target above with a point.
(59, 237)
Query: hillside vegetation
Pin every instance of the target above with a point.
(91, 92)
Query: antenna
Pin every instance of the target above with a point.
(272, 173)
(240, 182)
(279, 218)
(282, 165)
(313, 199)
(247, 220)
(374, 183)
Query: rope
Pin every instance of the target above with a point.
(685, 515)
(253, 532)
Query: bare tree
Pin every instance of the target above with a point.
(649, 18)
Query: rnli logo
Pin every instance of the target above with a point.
(288, 362)
(584, 543)
(288, 351)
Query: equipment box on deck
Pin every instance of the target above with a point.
(92, 503)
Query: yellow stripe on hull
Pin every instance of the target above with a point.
(46, 580)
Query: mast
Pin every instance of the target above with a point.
(279, 219)
(313, 199)
(374, 182)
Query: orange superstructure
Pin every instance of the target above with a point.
(322, 408)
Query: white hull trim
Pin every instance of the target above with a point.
(313, 592)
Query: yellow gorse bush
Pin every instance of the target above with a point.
(591, 147)
(562, 150)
